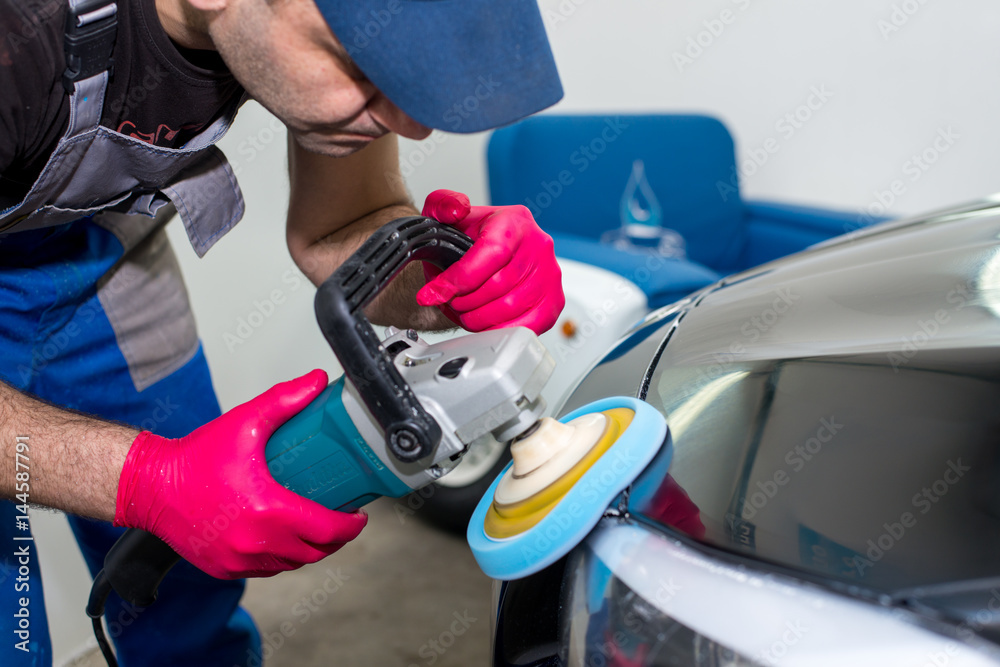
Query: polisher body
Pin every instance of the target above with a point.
(478, 387)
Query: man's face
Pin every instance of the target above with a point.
(285, 55)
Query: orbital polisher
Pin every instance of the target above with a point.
(405, 412)
(563, 477)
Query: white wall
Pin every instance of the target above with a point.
(892, 92)
(892, 89)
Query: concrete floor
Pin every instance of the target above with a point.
(403, 594)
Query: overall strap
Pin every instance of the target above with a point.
(88, 43)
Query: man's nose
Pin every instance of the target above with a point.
(393, 118)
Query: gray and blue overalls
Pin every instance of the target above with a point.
(94, 316)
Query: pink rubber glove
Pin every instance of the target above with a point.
(209, 495)
(510, 276)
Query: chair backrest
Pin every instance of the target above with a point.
(572, 172)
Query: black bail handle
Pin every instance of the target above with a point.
(410, 432)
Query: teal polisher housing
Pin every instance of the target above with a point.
(570, 519)
(320, 455)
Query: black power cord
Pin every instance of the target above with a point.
(133, 568)
(95, 609)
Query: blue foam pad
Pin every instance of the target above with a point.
(573, 517)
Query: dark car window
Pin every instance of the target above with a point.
(842, 467)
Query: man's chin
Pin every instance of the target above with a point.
(331, 146)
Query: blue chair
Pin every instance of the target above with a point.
(573, 172)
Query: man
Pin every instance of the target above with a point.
(109, 113)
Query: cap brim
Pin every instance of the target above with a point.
(455, 65)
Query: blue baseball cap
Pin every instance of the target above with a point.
(456, 65)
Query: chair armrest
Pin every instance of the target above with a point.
(775, 230)
(662, 279)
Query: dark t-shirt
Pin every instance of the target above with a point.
(158, 92)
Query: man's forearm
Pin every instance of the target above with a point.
(396, 305)
(60, 458)
(334, 206)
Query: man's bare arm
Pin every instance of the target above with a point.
(335, 204)
(72, 461)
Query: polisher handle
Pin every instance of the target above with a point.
(410, 432)
(135, 566)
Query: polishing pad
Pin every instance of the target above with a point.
(545, 456)
(563, 478)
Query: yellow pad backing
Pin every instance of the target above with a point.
(504, 521)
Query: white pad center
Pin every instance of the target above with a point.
(548, 454)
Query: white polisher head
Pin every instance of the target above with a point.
(547, 454)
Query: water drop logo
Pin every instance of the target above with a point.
(642, 220)
(640, 210)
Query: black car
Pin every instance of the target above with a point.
(834, 492)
